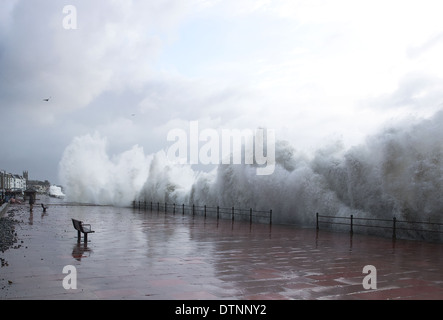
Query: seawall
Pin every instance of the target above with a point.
(3, 209)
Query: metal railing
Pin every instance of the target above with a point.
(393, 224)
(232, 213)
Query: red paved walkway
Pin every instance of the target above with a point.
(145, 255)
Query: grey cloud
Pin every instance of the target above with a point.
(111, 51)
(189, 100)
(112, 48)
(415, 90)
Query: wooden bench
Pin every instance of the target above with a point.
(82, 228)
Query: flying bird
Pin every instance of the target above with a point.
(44, 207)
(47, 99)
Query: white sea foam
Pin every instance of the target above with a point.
(397, 172)
(89, 175)
(56, 191)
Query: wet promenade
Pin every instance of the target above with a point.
(148, 255)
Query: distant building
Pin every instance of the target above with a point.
(2, 181)
(12, 182)
(7, 180)
(19, 183)
(39, 186)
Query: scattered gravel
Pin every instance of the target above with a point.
(8, 236)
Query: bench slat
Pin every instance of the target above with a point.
(82, 228)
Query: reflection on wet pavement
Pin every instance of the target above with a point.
(148, 255)
(80, 250)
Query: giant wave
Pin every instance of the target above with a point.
(397, 172)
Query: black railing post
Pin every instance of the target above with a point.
(166, 209)
(183, 209)
(218, 212)
(173, 210)
(205, 211)
(193, 209)
(151, 205)
(158, 206)
(270, 216)
(316, 218)
(250, 215)
(394, 234)
(352, 224)
(232, 213)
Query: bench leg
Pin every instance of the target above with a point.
(86, 237)
(78, 236)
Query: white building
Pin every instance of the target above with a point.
(13, 182)
(19, 183)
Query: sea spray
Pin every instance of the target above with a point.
(397, 172)
(167, 182)
(89, 175)
(56, 191)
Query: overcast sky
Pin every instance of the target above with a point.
(313, 70)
